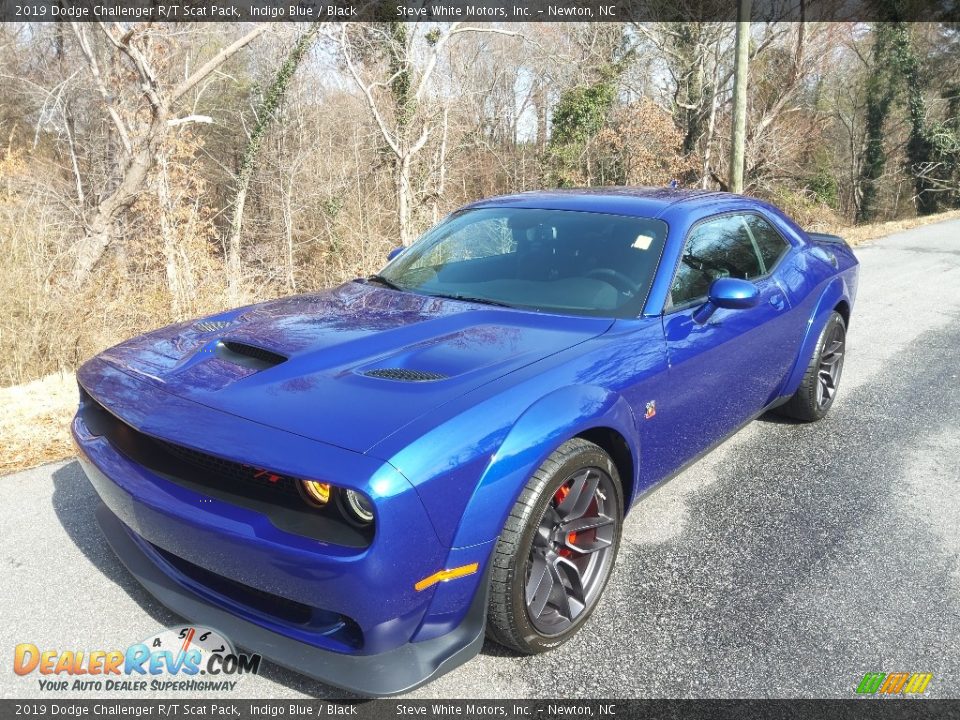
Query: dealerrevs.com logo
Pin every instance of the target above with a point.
(185, 658)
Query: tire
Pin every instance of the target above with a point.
(565, 527)
(821, 380)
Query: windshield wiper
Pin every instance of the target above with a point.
(478, 300)
(380, 279)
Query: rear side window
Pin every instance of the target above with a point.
(770, 244)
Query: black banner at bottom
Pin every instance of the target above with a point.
(853, 709)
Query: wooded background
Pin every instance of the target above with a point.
(151, 173)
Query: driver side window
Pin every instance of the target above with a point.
(716, 248)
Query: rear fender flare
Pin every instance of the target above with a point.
(832, 294)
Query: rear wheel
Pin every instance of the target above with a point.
(558, 546)
(821, 380)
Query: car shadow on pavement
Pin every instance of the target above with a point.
(775, 418)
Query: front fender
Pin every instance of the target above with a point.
(541, 429)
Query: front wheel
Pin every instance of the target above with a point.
(821, 380)
(557, 549)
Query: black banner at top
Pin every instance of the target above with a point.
(503, 11)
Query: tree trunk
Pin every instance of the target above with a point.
(441, 185)
(288, 233)
(881, 89)
(100, 222)
(174, 287)
(738, 140)
(265, 114)
(691, 84)
(919, 146)
(233, 243)
(708, 141)
(403, 199)
(541, 105)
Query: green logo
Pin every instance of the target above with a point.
(894, 683)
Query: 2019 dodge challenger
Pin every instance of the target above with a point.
(361, 483)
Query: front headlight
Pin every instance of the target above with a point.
(352, 506)
(357, 507)
(317, 492)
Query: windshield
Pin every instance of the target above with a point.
(552, 260)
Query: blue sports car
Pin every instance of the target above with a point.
(361, 483)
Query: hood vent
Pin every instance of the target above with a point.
(211, 325)
(405, 375)
(249, 356)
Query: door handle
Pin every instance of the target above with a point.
(778, 301)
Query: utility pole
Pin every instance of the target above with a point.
(740, 97)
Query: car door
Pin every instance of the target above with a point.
(726, 367)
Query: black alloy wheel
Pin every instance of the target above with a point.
(831, 365)
(821, 379)
(557, 549)
(570, 557)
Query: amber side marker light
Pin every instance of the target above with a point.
(444, 575)
(316, 491)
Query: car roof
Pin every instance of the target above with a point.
(648, 202)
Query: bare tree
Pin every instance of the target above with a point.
(404, 118)
(140, 135)
(697, 62)
(265, 113)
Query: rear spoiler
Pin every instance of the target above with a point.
(827, 239)
(830, 248)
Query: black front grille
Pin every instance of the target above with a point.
(405, 375)
(233, 472)
(289, 610)
(272, 494)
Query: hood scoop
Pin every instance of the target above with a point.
(249, 356)
(405, 375)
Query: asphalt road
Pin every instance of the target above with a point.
(787, 563)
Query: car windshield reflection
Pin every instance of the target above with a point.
(552, 260)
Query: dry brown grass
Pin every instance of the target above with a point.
(35, 424)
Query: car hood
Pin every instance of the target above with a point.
(303, 364)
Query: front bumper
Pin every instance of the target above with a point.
(169, 536)
(389, 673)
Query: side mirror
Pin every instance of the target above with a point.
(729, 293)
(393, 253)
(733, 293)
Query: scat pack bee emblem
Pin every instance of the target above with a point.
(651, 410)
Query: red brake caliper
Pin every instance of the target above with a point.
(558, 498)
